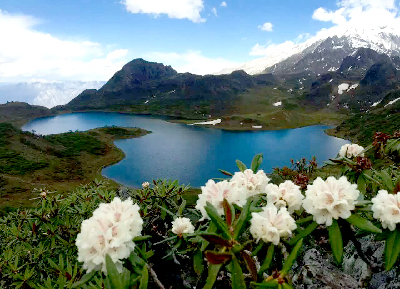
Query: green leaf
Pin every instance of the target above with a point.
(217, 220)
(335, 238)
(286, 286)
(256, 162)
(141, 238)
(182, 207)
(237, 276)
(213, 271)
(198, 263)
(270, 284)
(144, 280)
(302, 234)
(387, 180)
(242, 167)
(241, 221)
(268, 259)
(292, 257)
(226, 173)
(112, 273)
(165, 210)
(212, 228)
(86, 278)
(363, 224)
(304, 220)
(126, 279)
(392, 249)
(361, 184)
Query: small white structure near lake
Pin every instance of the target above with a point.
(213, 122)
(256, 126)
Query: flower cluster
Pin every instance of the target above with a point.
(182, 226)
(351, 150)
(271, 225)
(252, 183)
(145, 185)
(110, 231)
(386, 208)
(286, 194)
(330, 199)
(215, 193)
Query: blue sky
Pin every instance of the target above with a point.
(91, 39)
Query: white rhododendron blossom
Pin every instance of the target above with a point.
(182, 226)
(110, 231)
(253, 183)
(351, 150)
(271, 225)
(386, 208)
(215, 193)
(330, 199)
(286, 194)
(145, 185)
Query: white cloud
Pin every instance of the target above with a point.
(271, 49)
(351, 14)
(27, 53)
(302, 37)
(267, 26)
(214, 11)
(44, 93)
(223, 4)
(178, 9)
(191, 61)
(359, 13)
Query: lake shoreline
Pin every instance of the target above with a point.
(175, 119)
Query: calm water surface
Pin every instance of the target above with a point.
(192, 154)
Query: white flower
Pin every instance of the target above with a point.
(110, 231)
(271, 225)
(182, 226)
(145, 185)
(286, 194)
(386, 208)
(215, 193)
(351, 150)
(253, 183)
(330, 199)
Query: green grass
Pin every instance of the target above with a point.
(59, 162)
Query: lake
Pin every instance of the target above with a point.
(192, 154)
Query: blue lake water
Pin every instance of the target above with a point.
(192, 154)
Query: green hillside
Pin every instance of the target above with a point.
(56, 162)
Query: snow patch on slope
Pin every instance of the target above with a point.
(342, 87)
(391, 102)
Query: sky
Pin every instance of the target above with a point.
(89, 40)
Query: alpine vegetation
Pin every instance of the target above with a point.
(248, 230)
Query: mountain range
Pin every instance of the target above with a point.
(319, 81)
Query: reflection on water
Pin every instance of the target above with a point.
(192, 154)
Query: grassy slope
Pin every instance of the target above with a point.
(19, 113)
(361, 128)
(55, 162)
(255, 107)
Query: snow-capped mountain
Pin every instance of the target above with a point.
(325, 52)
(48, 94)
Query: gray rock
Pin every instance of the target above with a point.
(319, 271)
